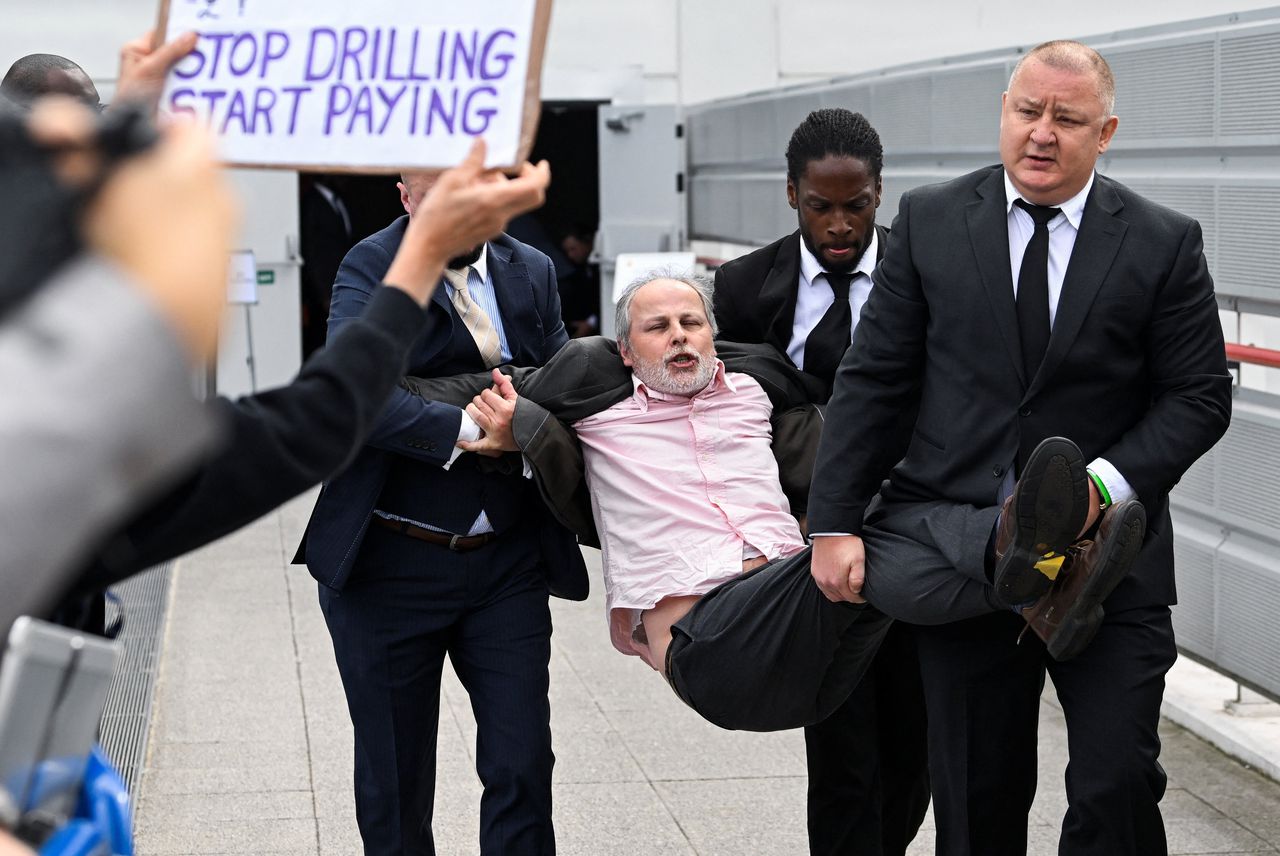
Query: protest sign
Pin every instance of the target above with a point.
(370, 86)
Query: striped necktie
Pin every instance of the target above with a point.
(477, 322)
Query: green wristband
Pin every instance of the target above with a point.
(1102, 490)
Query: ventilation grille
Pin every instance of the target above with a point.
(127, 714)
(758, 134)
(714, 136)
(1193, 622)
(1164, 93)
(1249, 461)
(966, 109)
(1250, 97)
(902, 114)
(1248, 633)
(716, 209)
(1248, 239)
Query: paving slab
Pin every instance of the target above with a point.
(251, 750)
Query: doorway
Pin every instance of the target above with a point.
(337, 210)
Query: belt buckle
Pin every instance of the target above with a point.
(453, 543)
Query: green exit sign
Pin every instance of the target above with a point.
(266, 277)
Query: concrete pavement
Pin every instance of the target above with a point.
(250, 745)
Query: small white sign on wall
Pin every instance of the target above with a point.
(242, 278)
(368, 86)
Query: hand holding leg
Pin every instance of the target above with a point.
(838, 567)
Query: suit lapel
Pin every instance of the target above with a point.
(1099, 239)
(988, 221)
(514, 292)
(429, 347)
(441, 297)
(778, 294)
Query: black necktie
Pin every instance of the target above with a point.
(829, 338)
(1033, 289)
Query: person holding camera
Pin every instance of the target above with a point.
(97, 411)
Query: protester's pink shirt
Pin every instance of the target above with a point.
(680, 485)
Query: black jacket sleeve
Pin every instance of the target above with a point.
(281, 442)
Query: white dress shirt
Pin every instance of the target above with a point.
(480, 287)
(1063, 229)
(814, 295)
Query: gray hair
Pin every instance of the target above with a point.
(700, 284)
(1066, 55)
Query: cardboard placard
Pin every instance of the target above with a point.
(369, 86)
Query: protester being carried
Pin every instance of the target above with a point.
(706, 575)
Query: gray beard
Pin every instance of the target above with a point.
(656, 376)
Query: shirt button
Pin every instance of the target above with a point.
(997, 471)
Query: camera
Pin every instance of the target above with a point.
(39, 224)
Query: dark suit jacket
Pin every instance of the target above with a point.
(755, 299)
(1135, 371)
(414, 436)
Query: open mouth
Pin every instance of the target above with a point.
(683, 361)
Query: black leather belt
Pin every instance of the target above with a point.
(456, 543)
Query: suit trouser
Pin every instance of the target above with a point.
(408, 604)
(982, 688)
(767, 651)
(868, 777)
(926, 561)
(868, 761)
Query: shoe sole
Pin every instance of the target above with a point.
(1084, 618)
(1052, 505)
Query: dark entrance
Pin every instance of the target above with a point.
(336, 210)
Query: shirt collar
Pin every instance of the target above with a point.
(482, 264)
(719, 380)
(1073, 208)
(810, 267)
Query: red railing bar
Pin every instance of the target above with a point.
(1252, 355)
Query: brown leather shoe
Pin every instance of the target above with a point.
(1069, 615)
(1042, 516)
